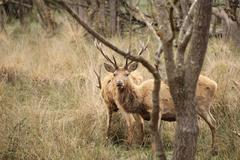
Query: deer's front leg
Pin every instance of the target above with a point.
(129, 121)
(130, 127)
(109, 121)
(138, 130)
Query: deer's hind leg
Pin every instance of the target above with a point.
(208, 118)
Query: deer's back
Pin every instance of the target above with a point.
(206, 89)
(166, 102)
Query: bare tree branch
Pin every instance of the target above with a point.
(186, 22)
(138, 14)
(161, 15)
(20, 3)
(150, 68)
(156, 137)
(182, 45)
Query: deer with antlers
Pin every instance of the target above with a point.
(107, 86)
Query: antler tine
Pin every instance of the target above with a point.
(126, 63)
(141, 51)
(144, 47)
(98, 46)
(98, 78)
(115, 62)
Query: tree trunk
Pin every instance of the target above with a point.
(46, 16)
(214, 26)
(231, 31)
(187, 126)
(113, 16)
(102, 20)
(157, 144)
(186, 130)
(2, 19)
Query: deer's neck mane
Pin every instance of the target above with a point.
(130, 99)
(128, 96)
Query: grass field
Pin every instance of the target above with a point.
(50, 107)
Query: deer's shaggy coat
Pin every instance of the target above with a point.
(108, 92)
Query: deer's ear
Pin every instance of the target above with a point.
(109, 68)
(132, 67)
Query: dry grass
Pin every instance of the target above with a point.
(51, 109)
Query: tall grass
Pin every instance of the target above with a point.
(50, 107)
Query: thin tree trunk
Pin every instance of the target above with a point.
(157, 145)
(102, 20)
(21, 12)
(45, 15)
(214, 25)
(113, 16)
(93, 9)
(2, 19)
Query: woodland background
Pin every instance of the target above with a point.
(50, 107)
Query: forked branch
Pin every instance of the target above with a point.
(185, 34)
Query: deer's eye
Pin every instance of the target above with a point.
(114, 74)
(127, 74)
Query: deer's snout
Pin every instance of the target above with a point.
(119, 83)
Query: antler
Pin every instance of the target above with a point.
(140, 52)
(99, 47)
(98, 75)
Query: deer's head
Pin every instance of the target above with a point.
(121, 74)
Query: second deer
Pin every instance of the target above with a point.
(133, 98)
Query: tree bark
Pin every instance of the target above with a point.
(113, 16)
(102, 20)
(187, 126)
(184, 7)
(157, 144)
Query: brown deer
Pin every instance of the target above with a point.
(134, 98)
(131, 119)
(107, 86)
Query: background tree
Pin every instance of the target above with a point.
(229, 14)
(46, 15)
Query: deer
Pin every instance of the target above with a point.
(107, 87)
(133, 98)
